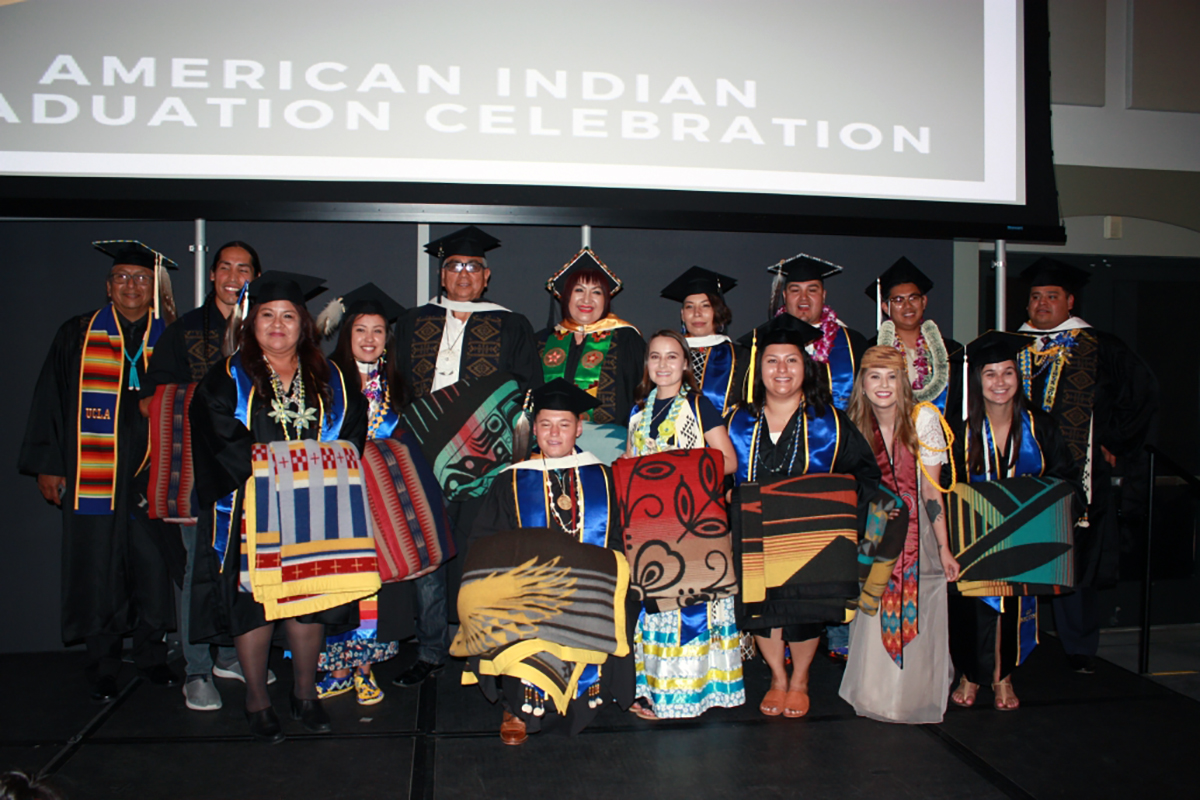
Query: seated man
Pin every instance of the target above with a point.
(559, 490)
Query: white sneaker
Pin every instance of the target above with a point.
(233, 672)
(201, 695)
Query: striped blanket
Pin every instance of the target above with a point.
(172, 489)
(412, 533)
(540, 606)
(1012, 536)
(308, 544)
(671, 511)
(799, 536)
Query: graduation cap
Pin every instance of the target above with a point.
(366, 299)
(803, 267)
(469, 241)
(279, 285)
(697, 280)
(903, 271)
(134, 253)
(994, 347)
(1052, 272)
(562, 395)
(584, 259)
(783, 329)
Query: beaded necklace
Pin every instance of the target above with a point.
(665, 437)
(281, 406)
(789, 458)
(573, 525)
(375, 389)
(1052, 356)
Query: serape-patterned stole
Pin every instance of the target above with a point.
(101, 367)
(899, 602)
(308, 534)
(172, 491)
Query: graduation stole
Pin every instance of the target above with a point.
(591, 501)
(937, 388)
(1029, 459)
(717, 379)
(747, 429)
(101, 368)
(839, 368)
(898, 604)
(331, 428)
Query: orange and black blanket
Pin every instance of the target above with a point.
(172, 487)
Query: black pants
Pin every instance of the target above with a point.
(104, 650)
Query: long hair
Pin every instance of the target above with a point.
(343, 356)
(976, 410)
(814, 387)
(591, 276)
(254, 262)
(314, 369)
(646, 385)
(860, 409)
(722, 316)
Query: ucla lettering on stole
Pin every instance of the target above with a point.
(97, 413)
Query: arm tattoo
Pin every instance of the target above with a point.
(934, 509)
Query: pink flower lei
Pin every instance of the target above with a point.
(920, 360)
(829, 329)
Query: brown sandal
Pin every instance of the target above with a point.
(1006, 698)
(772, 702)
(964, 695)
(795, 704)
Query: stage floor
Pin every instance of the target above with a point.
(1110, 734)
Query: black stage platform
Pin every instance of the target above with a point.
(1112, 734)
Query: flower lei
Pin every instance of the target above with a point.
(281, 406)
(932, 362)
(666, 428)
(829, 328)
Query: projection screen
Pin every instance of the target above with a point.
(764, 113)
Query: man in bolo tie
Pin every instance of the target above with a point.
(1104, 398)
(115, 574)
(454, 336)
(799, 290)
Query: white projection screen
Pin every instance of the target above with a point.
(917, 117)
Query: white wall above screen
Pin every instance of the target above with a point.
(913, 100)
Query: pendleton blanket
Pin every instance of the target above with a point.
(799, 540)
(880, 548)
(308, 544)
(673, 521)
(412, 533)
(465, 432)
(1012, 537)
(172, 487)
(540, 606)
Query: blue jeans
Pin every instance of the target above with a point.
(433, 621)
(196, 657)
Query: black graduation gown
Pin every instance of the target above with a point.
(617, 677)
(624, 364)
(221, 448)
(187, 349)
(116, 573)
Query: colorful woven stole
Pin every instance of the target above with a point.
(412, 532)
(898, 605)
(480, 345)
(587, 374)
(308, 533)
(101, 368)
(172, 491)
(717, 381)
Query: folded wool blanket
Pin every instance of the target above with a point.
(412, 532)
(675, 527)
(308, 532)
(880, 548)
(172, 486)
(1012, 536)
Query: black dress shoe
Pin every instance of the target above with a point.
(311, 714)
(264, 726)
(416, 674)
(105, 688)
(161, 675)
(1082, 663)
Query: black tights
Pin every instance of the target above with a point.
(254, 647)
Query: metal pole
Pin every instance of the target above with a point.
(200, 248)
(1144, 637)
(586, 233)
(1001, 266)
(422, 265)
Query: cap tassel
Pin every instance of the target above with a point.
(330, 319)
(753, 365)
(522, 430)
(233, 327)
(878, 305)
(777, 304)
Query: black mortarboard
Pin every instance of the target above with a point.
(903, 271)
(469, 241)
(697, 280)
(584, 259)
(134, 253)
(996, 346)
(1051, 272)
(370, 299)
(562, 395)
(803, 267)
(783, 329)
(278, 285)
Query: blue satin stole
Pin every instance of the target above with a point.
(388, 424)
(718, 376)
(840, 369)
(820, 437)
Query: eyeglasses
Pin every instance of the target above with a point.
(123, 277)
(469, 267)
(899, 300)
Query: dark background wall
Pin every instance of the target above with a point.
(54, 273)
